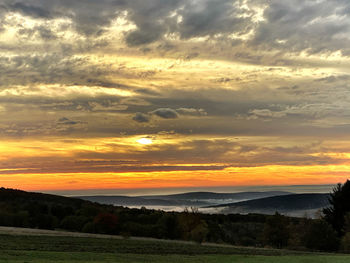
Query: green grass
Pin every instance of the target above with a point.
(122, 246)
(80, 257)
(46, 249)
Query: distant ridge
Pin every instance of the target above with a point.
(197, 199)
(139, 201)
(213, 195)
(291, 201)
(293, 204)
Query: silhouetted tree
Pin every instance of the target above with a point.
(200, 232)
(106, 223)
(276, 231)
(192, 226)
(339, 206)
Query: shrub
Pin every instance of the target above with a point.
(106, 223)
(199, 233)
(345, 243)
(73, 223)
(321, 236)
(89, 227)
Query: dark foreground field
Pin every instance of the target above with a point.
(64, 257)
(55, 249)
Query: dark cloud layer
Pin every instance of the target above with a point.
(311, 26)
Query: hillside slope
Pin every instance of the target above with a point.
(294, 204)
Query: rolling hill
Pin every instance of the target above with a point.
(293, 204)
(217, 196)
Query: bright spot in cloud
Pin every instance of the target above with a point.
(145, 141)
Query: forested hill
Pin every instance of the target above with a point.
(19, 197)
(285, 202)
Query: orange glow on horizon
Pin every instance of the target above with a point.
(251, 176)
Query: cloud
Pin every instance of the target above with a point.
(258, 25)
(141, 117)
(211, 17)
(165, 113)
(333, 78)
(66, 121)
(191, 111)
(106, 106)
(39, 126)
(30, 10)
(42, 32)
(66, 125)
(313, 27)
(138, 37)
(89, 17)
(266, 113)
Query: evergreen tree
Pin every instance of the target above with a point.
(339, 206)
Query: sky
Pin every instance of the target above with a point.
(134, 94)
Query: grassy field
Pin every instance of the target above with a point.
(57, 249)
(11, 256)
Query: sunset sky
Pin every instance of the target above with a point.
(120, 94)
